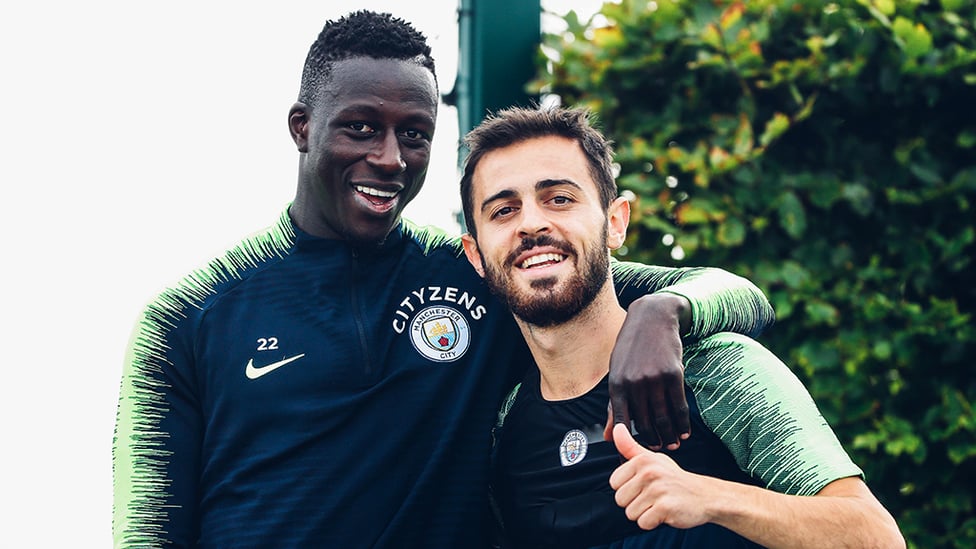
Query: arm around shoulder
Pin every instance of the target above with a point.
(717, 300)
(646, 373)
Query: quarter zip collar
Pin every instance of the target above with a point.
(306, 241)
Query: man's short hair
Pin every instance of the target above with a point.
(362, 33)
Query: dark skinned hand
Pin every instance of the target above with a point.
(646, 372)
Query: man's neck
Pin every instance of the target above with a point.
(574, 356)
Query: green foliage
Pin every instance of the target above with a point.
(826, 151)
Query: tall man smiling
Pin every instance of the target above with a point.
(544, 214)
(332, 380)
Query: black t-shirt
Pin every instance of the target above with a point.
(551, 470)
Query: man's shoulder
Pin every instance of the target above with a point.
(197, 289)
(430, 240)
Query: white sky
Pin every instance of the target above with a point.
(138, 140)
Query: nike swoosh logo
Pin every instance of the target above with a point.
(253, 373)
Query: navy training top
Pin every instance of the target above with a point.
(299, 392)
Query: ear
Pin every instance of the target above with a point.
(298, 125)
(618, 218)
(472, 253)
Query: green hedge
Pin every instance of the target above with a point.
(826, 151)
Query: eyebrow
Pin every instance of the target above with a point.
(540, 185)
(369, 110)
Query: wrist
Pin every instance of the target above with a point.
(666, 307)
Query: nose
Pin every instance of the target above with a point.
(385, 155)
(533, 220)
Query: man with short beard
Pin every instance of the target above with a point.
(763, 468)
(548, 307)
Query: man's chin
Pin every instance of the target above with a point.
(543, 315)
(542, 308)
(371, 235)
(547, 284)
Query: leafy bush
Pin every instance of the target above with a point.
(826, 151)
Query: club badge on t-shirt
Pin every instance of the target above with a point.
(573, 448)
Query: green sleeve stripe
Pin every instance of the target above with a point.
(431, 238)
(139, 459)
(720, 301)
(764, 415)
(723, 302)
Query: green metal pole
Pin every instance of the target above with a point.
(499, 44)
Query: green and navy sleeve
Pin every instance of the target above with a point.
(720, 301)
(764, 415)
(156, 451)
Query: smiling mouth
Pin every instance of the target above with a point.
(542, 260)
(377, 197)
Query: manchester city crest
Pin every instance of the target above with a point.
(573, 448)
(440, 333)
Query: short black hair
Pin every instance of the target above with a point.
(517, 124)
(361, 33)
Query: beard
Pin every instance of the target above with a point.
(547, 304)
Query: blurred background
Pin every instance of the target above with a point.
(827, 152)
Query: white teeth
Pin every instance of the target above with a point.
(375, 192)
(541, 258)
